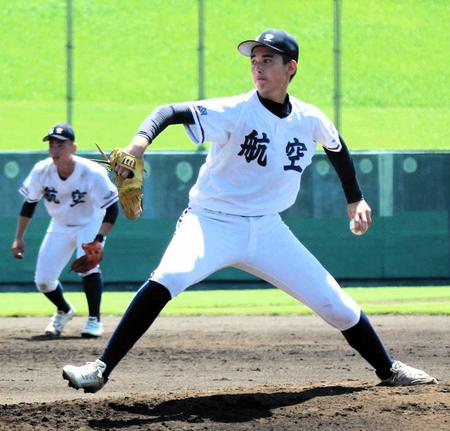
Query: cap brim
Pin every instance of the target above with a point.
(58, 137)
(246, 47)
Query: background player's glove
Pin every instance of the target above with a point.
(93, 256)
(130, 189)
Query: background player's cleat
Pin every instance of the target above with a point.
(93, 328)
(88, 377)
(58, 321)
(404, 375)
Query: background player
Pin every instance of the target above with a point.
(82, 203)
(261, 142)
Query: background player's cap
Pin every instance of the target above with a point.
(62, 132)
(278, 40)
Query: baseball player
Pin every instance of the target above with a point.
(82, 203)
(261, 143)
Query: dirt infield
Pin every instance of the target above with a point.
(225, 373)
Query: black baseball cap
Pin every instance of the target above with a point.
(62, 132)
(278, 40)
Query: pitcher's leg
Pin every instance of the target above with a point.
(187, 258)
(140, 314)
(282, 260)
(363, 338)
(202, 244)
(145, 307)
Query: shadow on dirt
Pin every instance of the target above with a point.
(231, 408)
(43, 337)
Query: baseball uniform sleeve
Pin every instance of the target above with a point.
(214, 119)
(104, 192)
(162, 117)
(325, 133)
(31, 188)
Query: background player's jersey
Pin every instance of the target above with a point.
(256, 159)
(75, 201)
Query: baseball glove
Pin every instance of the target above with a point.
(93, 256)
(131, 188)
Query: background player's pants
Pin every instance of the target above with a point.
(206, 241)
(55, 251)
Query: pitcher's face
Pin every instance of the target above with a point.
(270, 75)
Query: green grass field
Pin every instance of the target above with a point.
(132, 56)
(379, 300)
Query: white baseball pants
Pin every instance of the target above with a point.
(56, 250)
(206, 241)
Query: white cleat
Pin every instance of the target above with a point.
(93, 328)
(88, 377)
(58, 321)
(404, 375)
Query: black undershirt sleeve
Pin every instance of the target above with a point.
(343, 164)
(28, 209)
(111, 213)
(164, 116)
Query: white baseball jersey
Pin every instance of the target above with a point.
(252, 172)
(256, 159)
(75, 201)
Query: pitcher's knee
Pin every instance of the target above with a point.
(174, 283)
(339, 309)
(344, 321)
(341, 318)
(46, 286)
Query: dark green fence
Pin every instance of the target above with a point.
(408, 192)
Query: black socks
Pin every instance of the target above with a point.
(152, 297)
(57, 297)
(93, 287)
(145, 307)
(363, 338)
